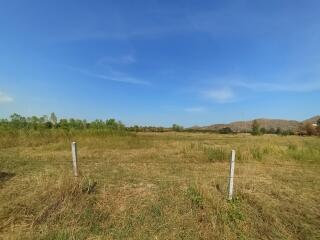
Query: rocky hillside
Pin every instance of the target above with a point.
(240, 126)
(312, 120)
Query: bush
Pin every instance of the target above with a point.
(255, 128)
(177, 128)
(225, 130)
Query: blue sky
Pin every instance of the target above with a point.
(160, 62)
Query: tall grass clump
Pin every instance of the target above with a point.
(306, 153)
(257, 153)
(216, 154)
(195, 196)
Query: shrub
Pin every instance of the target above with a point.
(225, 130)
(310, 129)
(255, 128)
(177, 128)
(195, 196)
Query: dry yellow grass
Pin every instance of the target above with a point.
(158, 186)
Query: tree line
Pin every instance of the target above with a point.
(17, 121)
(307, 128)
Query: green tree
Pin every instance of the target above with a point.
(111, 123)
(33, 122)
(310, 129)
(278, 131)
(177, 128)
(63, 123)
(255, 130)
(48, 125)
(53, 119)
(272, 131)
(97, 124)
(318, 127)
(136, 128)
(225, 130)
(4, 123)
(18, 121)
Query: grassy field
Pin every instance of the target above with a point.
(158, 186)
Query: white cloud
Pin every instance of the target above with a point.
(4, 98)
(220, 95)
(194, 109)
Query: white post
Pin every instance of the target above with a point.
(230, 185)
(74, 158)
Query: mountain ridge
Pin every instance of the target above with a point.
(267, 123)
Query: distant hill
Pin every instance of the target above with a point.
(312, 120)
(241, 126)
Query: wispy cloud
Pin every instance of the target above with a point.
(114, 76)
(4, 98)
(232, 88)
(195, 109)
(125, 59)
(305, 86)
(296, 79)
(122, 78)
(220, 95)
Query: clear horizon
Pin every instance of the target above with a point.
(160, 62)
